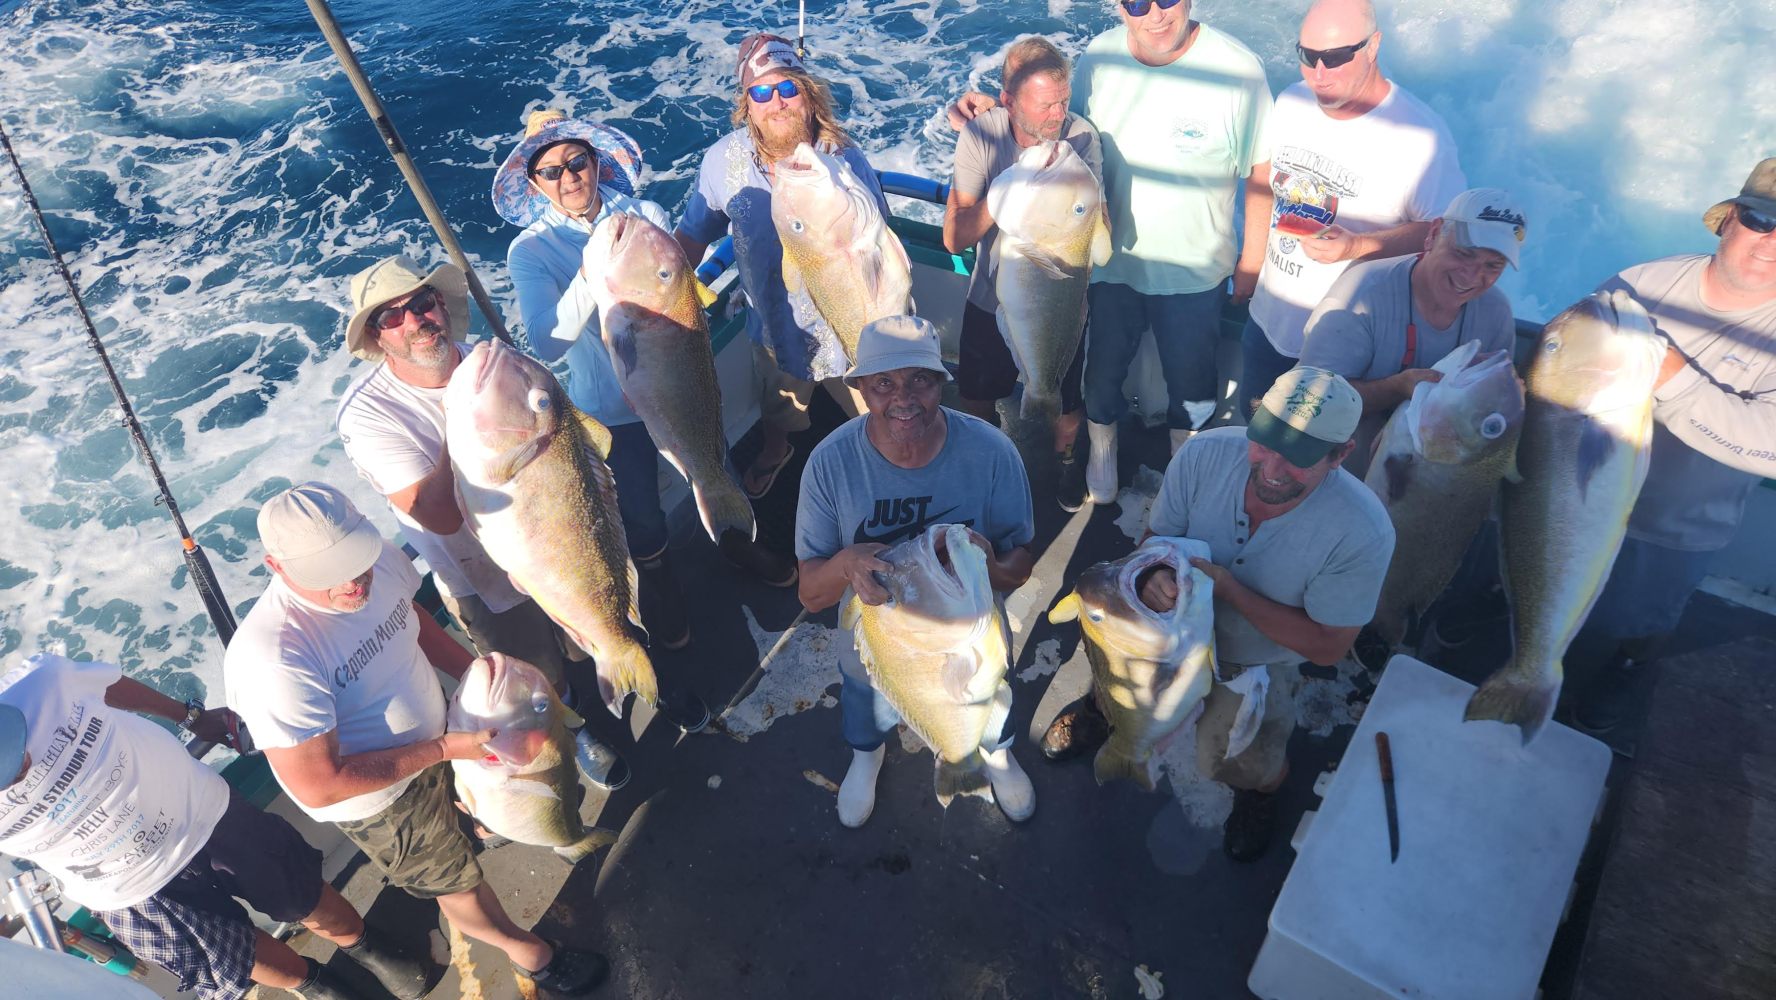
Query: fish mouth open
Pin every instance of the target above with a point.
(1150, 557)
(489, 349)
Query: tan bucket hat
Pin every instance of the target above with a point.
(389, 279)
(1758, 193)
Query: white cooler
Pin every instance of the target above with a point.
(1490, 835)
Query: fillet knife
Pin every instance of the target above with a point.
(1387, 788)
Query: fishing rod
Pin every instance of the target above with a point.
(802, 30)
(203, 577)
(391, 138)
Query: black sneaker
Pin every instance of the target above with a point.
(1070, 488)
(1605, 703)
(686, 711)
(1371, 651)
(1246, 834)
(570, 972)
(1079, 728)
(773, 569)
(662, 604)
(600, 764)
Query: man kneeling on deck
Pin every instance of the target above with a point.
(929, 465)
(1299, 549)
(332, 669)
(159, 846)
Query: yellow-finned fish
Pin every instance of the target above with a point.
(533, 485)
(1437, 467)
(1150, 669)
(837, 245)
(938, 650)
(658, 338)
(1587, 436)
(527, 788)
(1053, 227)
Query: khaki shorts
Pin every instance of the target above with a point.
(417, 841)
(523, 631)
(1263, 763)
(784, 399)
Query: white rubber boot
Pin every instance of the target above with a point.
(1179, 436)
(1100, 470)
(857, 793)
(1011, 786)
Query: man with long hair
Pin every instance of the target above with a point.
(780, 105)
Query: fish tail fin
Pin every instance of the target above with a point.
(622, 670)
(1111, 764)
(1522, 700)
(967, 776)
(588, 845)
(724, 508)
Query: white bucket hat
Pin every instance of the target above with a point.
(897, 342)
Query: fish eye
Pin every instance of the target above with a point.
(540, 401)
(1095, 615)
(1551, 345)
(664, 274)
(1078, 208)
(1493, 426)
(795, 225)
(539, 704)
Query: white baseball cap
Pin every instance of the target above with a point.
(1307, 413)
(1487, 219)
(318, 538)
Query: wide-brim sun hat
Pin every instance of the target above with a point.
(1759, 193)
(895, 342)
(389, 279)
(318, 537)
(619, 163)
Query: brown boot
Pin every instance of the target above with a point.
(1078, 729)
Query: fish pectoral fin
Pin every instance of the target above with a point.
(570, 718)
(1101, 245)
(502, 469)
(792, 276)
(1512, 472)
(578, 851)
(1399, 475)
(524, 785)
(634, 610)
(1067, 610)
(850, 614)
(958, 672)
(516, 585)
(1596, 444)
(1046, 262)
(996, 718)
(597, 436)
(619, 340)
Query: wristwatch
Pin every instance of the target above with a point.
(193, 709)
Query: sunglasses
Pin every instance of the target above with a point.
(389, 317)
(1139, 8)
(761, 92)
(1758, 222)
(1329, 58)
(577, 165)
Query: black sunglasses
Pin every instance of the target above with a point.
(389, 317)
(553, 172)
(1758, 222)
(1139, 8)
(1329, 58)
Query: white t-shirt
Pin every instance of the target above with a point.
(1394, 165)
(112, 805)
(1177, 141)
(296, 671)
(394, 435)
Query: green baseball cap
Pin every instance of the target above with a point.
(1307, 413)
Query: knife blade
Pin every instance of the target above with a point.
(1386, 757)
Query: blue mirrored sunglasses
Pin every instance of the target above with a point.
(1139, 8)
(1756, 221)
(761, 92)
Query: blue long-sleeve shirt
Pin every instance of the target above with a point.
(556, 305)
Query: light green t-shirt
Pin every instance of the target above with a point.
(1177, 140)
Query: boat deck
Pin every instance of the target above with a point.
(733, 877)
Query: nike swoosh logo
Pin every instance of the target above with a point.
(893, 535)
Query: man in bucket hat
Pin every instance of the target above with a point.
(1714, 439)
(905, 464)
(560, 180)
(332, 670)
(410, 325)
(1386, 322)
(79, 773)
(1298, 550)
(778, 105)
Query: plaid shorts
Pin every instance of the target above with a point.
(418, 841)
(194, 928)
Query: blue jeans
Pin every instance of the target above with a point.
(635, 465)
(1184, 327)
(865, 717)
(1260, 366)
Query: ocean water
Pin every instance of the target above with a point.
(214, 183)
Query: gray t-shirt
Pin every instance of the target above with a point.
(851, 494)
(1715, 434)
(1328, 556)
(984, 150)
(1359, 331)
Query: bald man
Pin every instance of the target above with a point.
(1353, 168)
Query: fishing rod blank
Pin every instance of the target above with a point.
(203, 577)
(348, 60)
